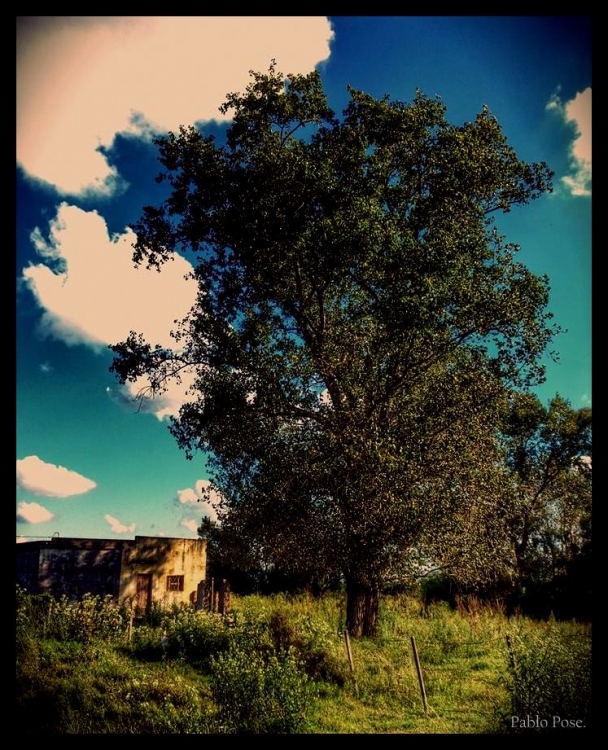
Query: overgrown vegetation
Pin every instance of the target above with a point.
(279, 664)
(359, 315)
(549, 683)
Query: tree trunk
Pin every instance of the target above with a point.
(362, 601)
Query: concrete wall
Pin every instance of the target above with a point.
(135, 572)
(70, 567)
(158, 559)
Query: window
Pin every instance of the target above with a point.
(175, 583)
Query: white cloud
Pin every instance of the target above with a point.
(191, 524)
(577, 113)
(81, 80)
(33, 513)
(203, 495)
(119, 527)
(187, 497)
(92, 293)
(40, 478)
(163, 405)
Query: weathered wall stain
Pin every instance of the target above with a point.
(135, 572)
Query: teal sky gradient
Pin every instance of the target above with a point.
(71, 414)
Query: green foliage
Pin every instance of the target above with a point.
(546, 501)
(79, 688)
(90, 617)
(146, 643)
(357, 322)
(549, 676)
(311, 643)
(280, 665)
(278, 624)
(260, 693)
(194, 636)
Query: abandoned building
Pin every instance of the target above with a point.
(134, 572)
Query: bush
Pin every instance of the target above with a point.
(549, 677)
(91, 617)
(146, 643)
(311, 643)
(259, 693)
(311, 627)
(195, 636)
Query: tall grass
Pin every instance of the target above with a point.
(549, 680)
(280, 664)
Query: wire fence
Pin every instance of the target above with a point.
(432, 658)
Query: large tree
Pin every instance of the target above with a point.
(358, 320)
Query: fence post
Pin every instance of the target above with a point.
(130, 625)
(511, 654)
(350, 661)
(223, 597)
(200, 596)
(420, 680)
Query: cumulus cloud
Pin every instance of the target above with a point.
(40, 478)
(161, 405)
(577, 114)
(91, 292)
(33, 513)
(191, 524)
(83, 79)
(187, 497)
(202, 495)
(119, 527)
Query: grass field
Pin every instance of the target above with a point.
(281, 665)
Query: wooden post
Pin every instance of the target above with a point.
(350, 661)
(420, 680)
(200, 596)
(130, 627)
(511, 654)
(223, 597)
(225, 600)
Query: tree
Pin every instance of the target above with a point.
(547, 489)
(359, 317)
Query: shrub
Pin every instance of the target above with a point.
(195, 636)
(549, 676)
(146, 643)
(259, 693)
(313, 645)
(93, 616)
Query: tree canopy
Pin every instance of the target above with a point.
(359, 320)
(547, 493)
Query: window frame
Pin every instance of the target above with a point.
(175, 583)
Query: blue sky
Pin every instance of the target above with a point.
(92, 92)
